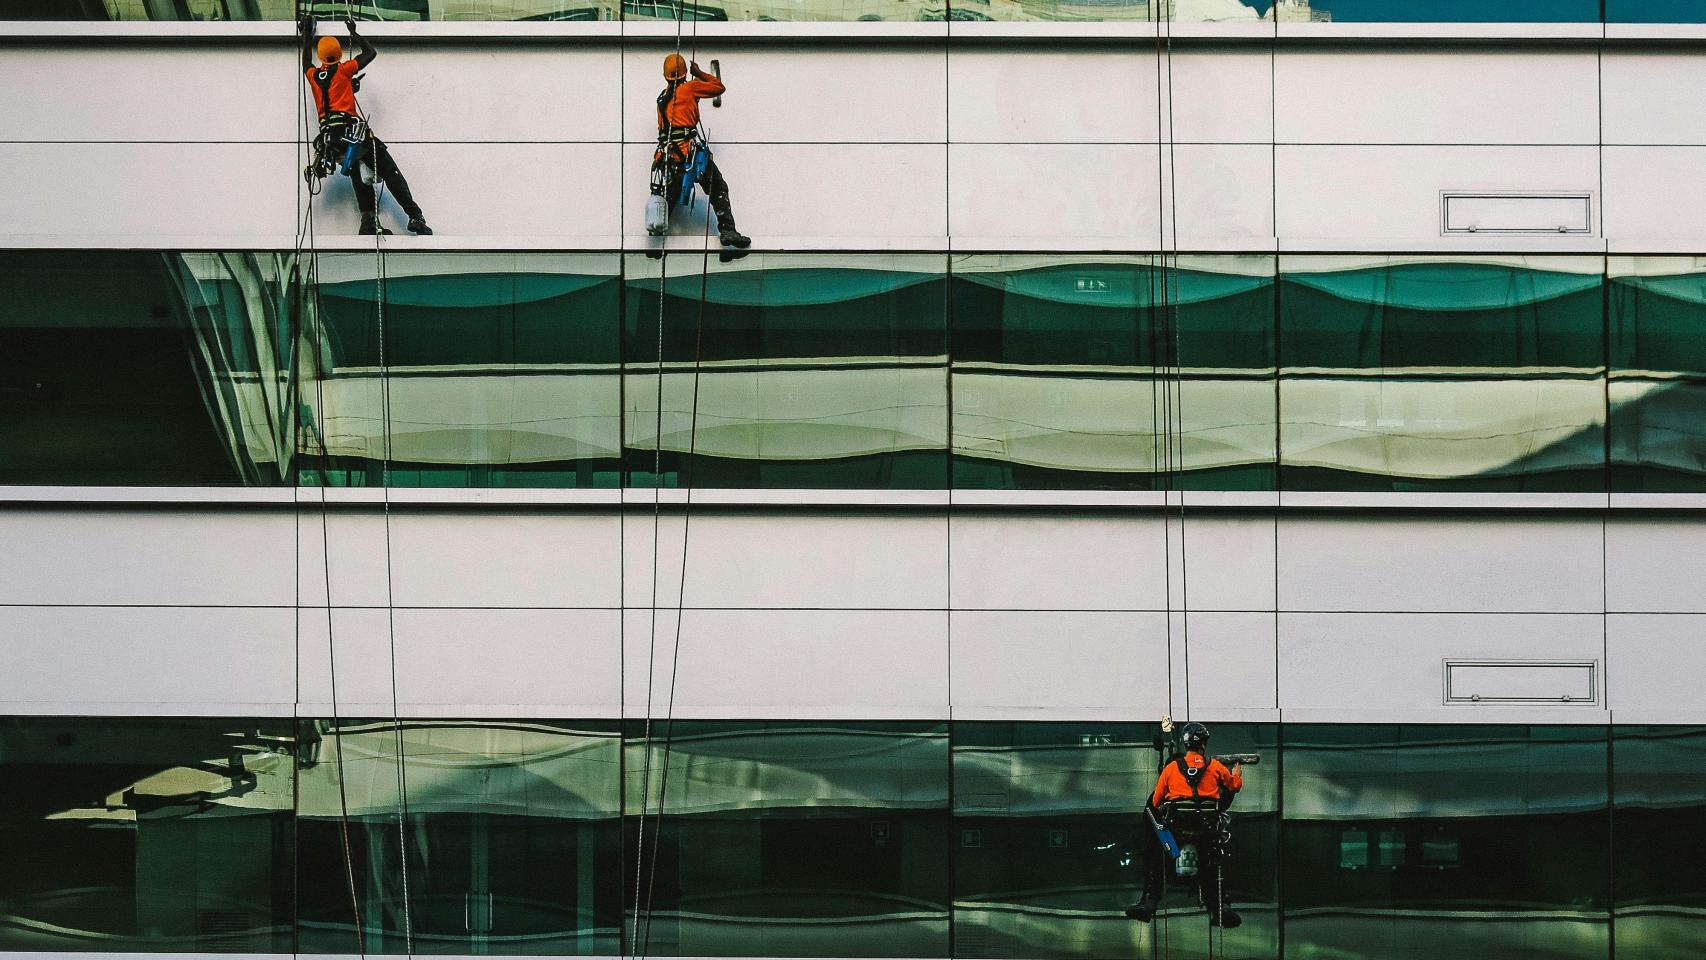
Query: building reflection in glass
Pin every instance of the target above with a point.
(1658, 373)
(791, 839)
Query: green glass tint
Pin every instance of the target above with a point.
(498, 370)
(1112, 372)
(1417, 373)
(1049, 841)
(121, 368)
(1658, 374)
(510, 830)
(785, 839)
(1446, 841)
(1659, 840)
(146, 835)
(787, 370)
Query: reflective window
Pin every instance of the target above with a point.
(1659, 836)
(1211, 11)
(1456, 11)
(1067, 373)
(1655, 11)
(511, 832)
(502, 371)
(1446, 841)
(1049, 843)
(813, 370)
(1658, 373)
(143, 368)
(792, 839)
(1419, 373)
(145, 835)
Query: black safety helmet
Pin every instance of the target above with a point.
(1195, 736)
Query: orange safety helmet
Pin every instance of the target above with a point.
(674, 67)
(330, 49)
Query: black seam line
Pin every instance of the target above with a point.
(844, 609)
(909, 143)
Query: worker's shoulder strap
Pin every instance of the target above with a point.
(664, 100)
(1193, 775)
(323, 77)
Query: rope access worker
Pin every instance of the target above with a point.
(681, 150)
(1191, 797)
(344, 136)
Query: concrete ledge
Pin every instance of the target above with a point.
(1444, 501)
(1441, 31)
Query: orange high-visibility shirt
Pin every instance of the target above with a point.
(339, 95)
(683, 108)
(1172, 784)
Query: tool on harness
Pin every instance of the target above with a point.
(691, 171)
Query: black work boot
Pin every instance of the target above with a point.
(1224, 917)
(370, 226)
(1142, 911)
(728, 236)
(418, 227)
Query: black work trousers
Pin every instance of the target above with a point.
(714, 185)
(389, 174)
(1157, 866)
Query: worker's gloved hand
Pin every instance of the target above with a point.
(305, 25)
(693, 68)
(350, 22)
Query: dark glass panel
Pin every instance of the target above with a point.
(1067, 374)
(1658, 374)
(1659, 841)
(1416, 373)
(1049, 842)
(511, 835)
(121, 368)
(1655, 11)
(813, 370)
(1456, 11)
(502, 371)
(791, 839)
(1446, 841)
(146, 835)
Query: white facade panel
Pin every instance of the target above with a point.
(1380, 95)
(1395, 662)
(1655, 565)
(812, 196)
(148, 558)
(543, 663)
(166, 193)
(778, 560)
(1641, 105)
(1233, 660)
(487, 559)
(1656, 664)
(1101, 196)
(345, 548)
(1229, 562)
(485, 94)
(1053, 562)
(559, 190)
(790, 664)
(1037, 665)
(794, 94)
(1440, 563)
(1373, 193)
(147, 661)
(1651, 199)
(125, 93)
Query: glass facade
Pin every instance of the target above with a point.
(856, 371)
(979, 839)
(1223, 11)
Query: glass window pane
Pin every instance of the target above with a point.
(1446, 841)
(1658, 373)
(1655, 11)
(120, 368)
(503, 371)
(1049, 843)
(815, 370)
(1659, 829)
(1211, 11)
(1456, 11)
(1424, 373)
(512, 834)
(792, 839)
(1064, 374)
(146, 835)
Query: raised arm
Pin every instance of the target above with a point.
(305, 26)
(368, 54)
(704, 84)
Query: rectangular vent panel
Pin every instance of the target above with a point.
(1521, 681)
(1516, 213)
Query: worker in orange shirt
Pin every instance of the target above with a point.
(681, 151)
(1193, 792)
(344, 137)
